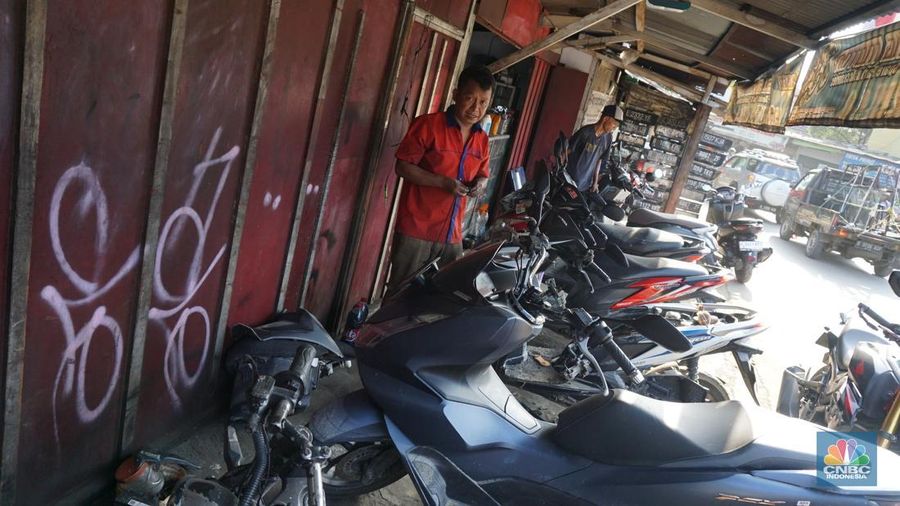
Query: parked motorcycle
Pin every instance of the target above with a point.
(558, 370)
(733, 239)
(276, 368)
(858, 386)
(425, 359)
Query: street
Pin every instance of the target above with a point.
(798, 296)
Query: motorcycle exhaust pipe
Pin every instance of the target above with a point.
(789, 395)
(887, 436)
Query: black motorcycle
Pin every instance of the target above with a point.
(738, 236)
(276, 367)
(858, 386)
(425, 359)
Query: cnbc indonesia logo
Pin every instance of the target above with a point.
(847, 461)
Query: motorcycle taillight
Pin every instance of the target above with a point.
(650, 290)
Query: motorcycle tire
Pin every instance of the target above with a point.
(786, 230)
(343, 478)
(716, 388)
(744, 274)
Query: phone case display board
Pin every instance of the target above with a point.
(657, 123)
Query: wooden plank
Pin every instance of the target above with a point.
(640, 22)
(612, 39)
(439, 25)
(32, 82)
(753, 22)
(560, 35)
(687, 156)
(653, 76)
(684, 68)
(710, 86)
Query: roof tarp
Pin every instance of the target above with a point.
(853, 82)
(764, 104)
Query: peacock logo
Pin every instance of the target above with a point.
(844, 460)
(846, 452)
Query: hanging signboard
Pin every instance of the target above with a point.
(764, 104)
(853, 82)
(649, 106)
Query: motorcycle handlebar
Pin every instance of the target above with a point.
(866, 310)
(303, 362)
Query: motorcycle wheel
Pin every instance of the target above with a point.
(716, 389)
(744, 274)
(359, 468)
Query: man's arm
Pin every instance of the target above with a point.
(417, 175)
(601, 164)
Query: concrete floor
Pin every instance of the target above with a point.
(798, 296)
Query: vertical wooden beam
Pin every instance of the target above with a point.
(154, 215)
(29, 127)
(332, 159)
(460, 56)
(640, 22)
(710, 85)
(383, 121)
(311, 142)
(687, 156)
(262, 93)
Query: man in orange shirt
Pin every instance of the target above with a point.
(443, 160)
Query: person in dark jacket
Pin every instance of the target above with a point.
(589, 148)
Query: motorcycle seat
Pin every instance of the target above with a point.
(641, 240)
(849, 339)
(646, 217)
(647, 267)
(626, 428)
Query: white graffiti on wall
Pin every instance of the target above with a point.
(72, 369)
(179, 305)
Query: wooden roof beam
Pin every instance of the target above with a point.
(663, 44)
(639, 71)
(562, 34)
(682, 67)
(727, 11)
(612, 39)
(640, 22)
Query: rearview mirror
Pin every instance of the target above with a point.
(894, 281)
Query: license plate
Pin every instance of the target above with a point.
(874, 248)
(750, 245)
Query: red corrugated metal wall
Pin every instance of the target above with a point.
(529, 112)
(424, 43)
(558, 112)
(137, 190)
(96, 147)
(213, 109)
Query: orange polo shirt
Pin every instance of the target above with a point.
(434, 143)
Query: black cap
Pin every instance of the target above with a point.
(614, 111)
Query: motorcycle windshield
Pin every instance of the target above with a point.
(459, 277)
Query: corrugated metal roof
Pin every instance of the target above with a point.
(713, 43)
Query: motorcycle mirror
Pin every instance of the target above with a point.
(614, 212)
(650, 177)
(894, 281)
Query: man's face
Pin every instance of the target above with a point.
(471, 103)
(609, 124)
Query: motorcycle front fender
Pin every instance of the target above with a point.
(789, 395)
(351, 418)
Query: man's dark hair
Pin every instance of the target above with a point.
(479, 74)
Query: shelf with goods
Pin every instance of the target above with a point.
(710, 156)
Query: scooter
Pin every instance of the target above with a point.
(733, 239)
(858, 386)
(425, 359)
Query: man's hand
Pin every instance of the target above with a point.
(478, 187)
(455, 187)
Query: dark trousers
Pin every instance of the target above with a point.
(410, 254)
